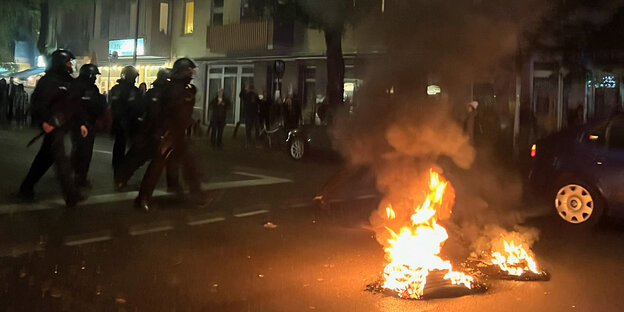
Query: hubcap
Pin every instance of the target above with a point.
(296, 149)
(574, 203)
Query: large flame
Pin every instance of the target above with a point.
(514, 259)
(413, 251)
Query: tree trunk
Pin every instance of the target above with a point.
(335, 68)
(43, 27)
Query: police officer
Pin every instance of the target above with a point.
(126, 104)
(151, 130)
(175, 116)
(88, 96)
(57, 114)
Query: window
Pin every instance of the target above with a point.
(188, 17)
(164, 18)
(246, 12)
(217, 12)
(105, 20)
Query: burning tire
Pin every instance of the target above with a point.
(296, 150)
(578, 203)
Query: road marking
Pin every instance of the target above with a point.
(257, 180)
(88, 238)
(103, 152)
(250, 213)
(367, 196)
(205, 221)
(142, 229)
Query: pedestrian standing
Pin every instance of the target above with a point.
(126, 104)
(291, 114)
(265, 110)
(20, 104)
(11, 94)
(251, 105)
(143, 88)
(88, 97)
(175, 117)
(55, 112)
(149, 136)
(470, 119)
(218, 107)
(4, 101)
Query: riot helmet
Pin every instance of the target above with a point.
(183, 69)
(162, 76)
(59, 60)
(88, 72)
(129, 73)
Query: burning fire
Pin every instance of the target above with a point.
(514, 259)
(413, 251)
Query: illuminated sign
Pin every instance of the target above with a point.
(125, 47)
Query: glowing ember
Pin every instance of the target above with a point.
(413, 251)
(514, 260)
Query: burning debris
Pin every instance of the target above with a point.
(415, 269)
(413, 251)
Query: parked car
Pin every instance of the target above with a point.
(309, 139)
(581, 171)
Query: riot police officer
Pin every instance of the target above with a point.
(151, 130)
(126, 104)
(57, 114)
(88, 96)
(175, 116)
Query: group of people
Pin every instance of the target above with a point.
(147, 126)
(13, 102)
(257, 112)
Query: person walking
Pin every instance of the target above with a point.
(147, 144)
(126, 105)
(175, 117)
(86, 95)
(218, 107)
(57, 115)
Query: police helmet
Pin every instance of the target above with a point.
(89, 71)
(59, 59)
(183, 69)
(162, 76)
(129, 73)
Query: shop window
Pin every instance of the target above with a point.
(189, 10)
(248, 70)
(164, 18)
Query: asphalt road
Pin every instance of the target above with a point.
(107, 257)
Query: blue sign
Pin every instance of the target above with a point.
(125, 47)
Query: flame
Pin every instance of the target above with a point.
(514, 260)
(413, 251)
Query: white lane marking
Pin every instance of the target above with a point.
(250, 213)
(205, 221)
(147, 229)
(19, 250)
(103, 152)
(125, 196)
(366, 196)
(88, 238)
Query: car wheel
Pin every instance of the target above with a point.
(297, 148)
(578, 203)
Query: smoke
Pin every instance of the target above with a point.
(400, 133)
(493, 238)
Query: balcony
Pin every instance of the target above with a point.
(249, 36)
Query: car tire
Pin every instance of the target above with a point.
(578, 203)
(297, 149)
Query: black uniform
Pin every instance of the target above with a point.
(51, 103)
(126, 104)
(147, 144)
(88, 97)
(175, 117)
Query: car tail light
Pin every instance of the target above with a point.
(533, 150)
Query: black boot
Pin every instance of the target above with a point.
(142, 204)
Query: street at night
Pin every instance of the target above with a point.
(108, 257)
